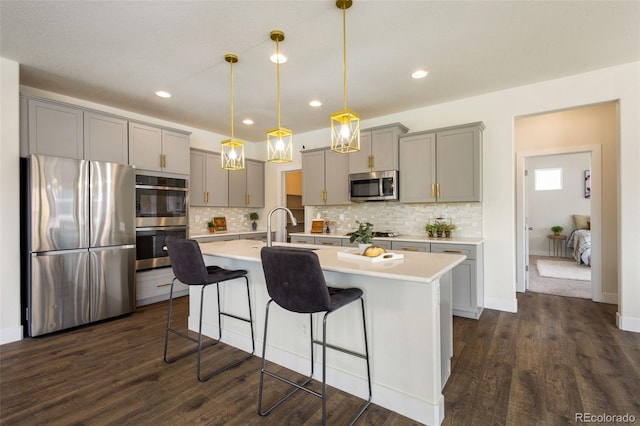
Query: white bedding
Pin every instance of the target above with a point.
(580, 242)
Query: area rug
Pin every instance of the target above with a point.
(566, 270)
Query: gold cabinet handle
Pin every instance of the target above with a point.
(433, 190)
(327, 244)
(452, 251)
(373, 162)
(161, 161)
(163, 285)
(437, 190)
(410, 248)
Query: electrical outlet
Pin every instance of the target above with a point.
(305, 329)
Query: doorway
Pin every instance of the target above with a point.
(590, 129)
(293, 201)
(557, 235)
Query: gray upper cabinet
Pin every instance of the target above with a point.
(378, 149)
(443, 165)
(105, 138)
(325, 178)
(50, 128)
(209, 181)
(155, 149)
(246, 186)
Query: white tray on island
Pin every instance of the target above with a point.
(353, 254)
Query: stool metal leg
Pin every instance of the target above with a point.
(301, 386)
(212, 342)
(263, 371)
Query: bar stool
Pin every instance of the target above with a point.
(189, 268)
(296, 283)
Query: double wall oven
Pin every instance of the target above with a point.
(161, 212)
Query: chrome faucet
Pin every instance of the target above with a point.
(293, 221)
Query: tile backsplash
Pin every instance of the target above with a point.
(237, 218)
(406, 219)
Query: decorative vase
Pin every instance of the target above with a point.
(447, 234)
(362, 248)
(212, 230)
(254, 225)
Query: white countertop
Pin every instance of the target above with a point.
(413, 238)
(220, 233)
(416, 267)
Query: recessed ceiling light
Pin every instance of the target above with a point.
(315, 103)
(247, 121)
(281, 59)
(419, 74)
(163, 94)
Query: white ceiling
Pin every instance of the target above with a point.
(119, 53)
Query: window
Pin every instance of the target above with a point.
(548, 179)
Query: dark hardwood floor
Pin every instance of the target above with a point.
(558, 356)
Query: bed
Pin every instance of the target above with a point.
(579, 241)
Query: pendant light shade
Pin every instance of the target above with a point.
(279, 140)
(232, 149)
(345, 124)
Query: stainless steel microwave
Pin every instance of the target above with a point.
(374, 186)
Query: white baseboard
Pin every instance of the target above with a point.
(628, 323)
(12, 334)
(507, 305)
(160, 298)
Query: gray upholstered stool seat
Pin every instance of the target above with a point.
(189, 268)
(296, 283)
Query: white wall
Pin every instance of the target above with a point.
(497, 110)
(556, 207)
(10, 328)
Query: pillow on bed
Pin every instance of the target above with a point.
(582, 221)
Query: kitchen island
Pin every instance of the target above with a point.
(409, 322)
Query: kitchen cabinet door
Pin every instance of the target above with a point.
(443, 165)
(145, 147)
(378, 149)
(155, 149)
(459, 169)
(313, 178)
(53, 129)
(325, 176)
(209, 181)
(417, 168)
(336, 178)
(175, 147)
(105, 138)
(246, 186)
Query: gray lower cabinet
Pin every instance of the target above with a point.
(209, 181)
(410, 246)
(302, 239)
(442, 165)
(467, 279)
(246, 186)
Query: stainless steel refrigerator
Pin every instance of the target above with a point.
(80, 242)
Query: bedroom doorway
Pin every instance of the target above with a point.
(593, 129)
(558, 264)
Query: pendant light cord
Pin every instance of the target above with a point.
(344, 53)
(231, 91)
(278, 76)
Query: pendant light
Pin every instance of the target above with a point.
(232, 149)
(345, 124)
(279, 140)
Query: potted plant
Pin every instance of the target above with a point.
(431, 229)
(363, 236)
(557, 229)
(211, 226)
(450, 227)
(440, 227)
(254, 216)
